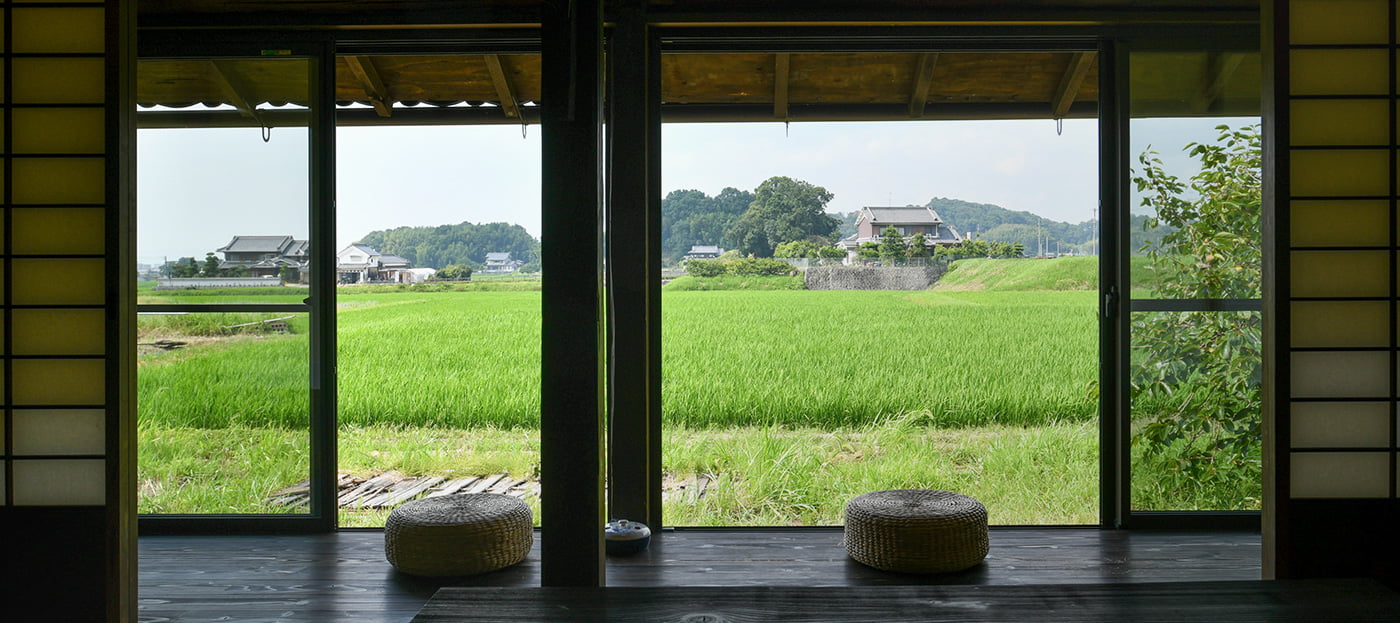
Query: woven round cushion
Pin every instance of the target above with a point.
(458, 534)
(916, 530)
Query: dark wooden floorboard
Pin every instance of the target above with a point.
(1353, 601)
(344, 577)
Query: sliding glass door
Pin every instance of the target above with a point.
(229, 401)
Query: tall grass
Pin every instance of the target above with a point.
(805, 476)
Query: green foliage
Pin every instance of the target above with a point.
(979, 248)
(1196, 393)
(463, 243)
(987, 221)
(181, 268)
(831, 252)
(288, 274)
(892, 243)
(211, 266)
(744, 266)
(705, 268)
(868, 250)
(918, 245)
(454, 272)
(690, 217)
(783, 210)
(761, 266)
(797, 248)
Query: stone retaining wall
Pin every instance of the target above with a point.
(872, 278)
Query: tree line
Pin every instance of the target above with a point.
(463, 244)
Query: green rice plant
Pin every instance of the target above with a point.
(247, 381)
(845, 358)
(736, 282)
(729, 359)
(449, 360)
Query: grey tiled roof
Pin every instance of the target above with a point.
(908, 215)
(257, 244)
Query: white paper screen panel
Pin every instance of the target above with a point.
(60, 482)
(1340, 475)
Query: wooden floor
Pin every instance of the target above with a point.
(344, 577)
(1303, 601)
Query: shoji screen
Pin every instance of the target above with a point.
(1336, 190)
(61, 192)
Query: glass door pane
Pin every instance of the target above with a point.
(223, 246)
(1195, 345)
(438, 279)
(896, 290)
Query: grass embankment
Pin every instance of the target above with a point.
(1034, 275)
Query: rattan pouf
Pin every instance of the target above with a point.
(458, 534)
(916, 530)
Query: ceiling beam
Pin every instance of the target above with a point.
(781, 65)
(1220, 67)
(235, 88)
(923, 77)
(1070, 83)
(503, 90)
(365, 71)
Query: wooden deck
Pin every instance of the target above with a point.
(344, 577)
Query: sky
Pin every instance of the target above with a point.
(197, 188)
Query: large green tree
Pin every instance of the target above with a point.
(783, 210)
(690, 217)
(1195, 378)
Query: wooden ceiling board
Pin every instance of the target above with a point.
(183, 82)
(740, 78)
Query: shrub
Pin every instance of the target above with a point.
(761, 266)
(705, 268)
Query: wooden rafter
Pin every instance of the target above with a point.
(368, 76)
(1220, 67)
(503, 90)
(1070, 83)
(923, 78)
(781, 62)
(235, 88)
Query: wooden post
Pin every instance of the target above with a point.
(634, 270)
(571, 367)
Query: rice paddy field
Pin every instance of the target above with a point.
(785, 403)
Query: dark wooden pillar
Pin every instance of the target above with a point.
(572, 409)
(634, 264)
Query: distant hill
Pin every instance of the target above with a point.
(463, 243)
(998, 224)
